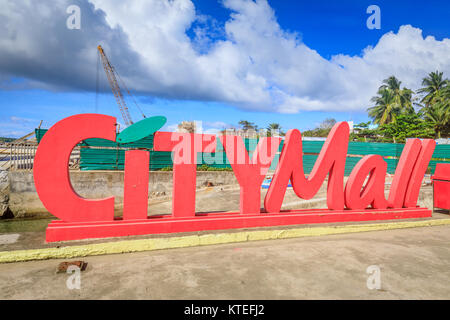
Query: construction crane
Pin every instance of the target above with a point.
(112, 79)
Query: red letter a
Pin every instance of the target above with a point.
(373, 192)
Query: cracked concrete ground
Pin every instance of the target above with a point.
(414, 264)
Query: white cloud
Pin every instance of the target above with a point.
(214, 127)
(35, 44)
(21, 119)
(216, 124)
(17, 126)
(256, 65)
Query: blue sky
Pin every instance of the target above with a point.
(333, 27)
(291, 62)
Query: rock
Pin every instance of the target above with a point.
(4, 193)
(4, 210)
(208, 184)
(62, 267)
(157, 189)
(9, 238)
(3, 178)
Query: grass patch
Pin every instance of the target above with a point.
(24, 225)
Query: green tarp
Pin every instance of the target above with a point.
(100, 154)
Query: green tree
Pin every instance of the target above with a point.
(362, 132)
(436, 102)
(274, 127)
(322, 130)
(439, 116)
(403, 97)
(328, 123)
(246, 125)
(406, 126)
(390, 101)
(386, 108)
(432, 87)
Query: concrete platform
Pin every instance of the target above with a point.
(414, 263)
(24, 239)
(26, 246)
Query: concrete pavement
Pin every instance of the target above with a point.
(414, 264)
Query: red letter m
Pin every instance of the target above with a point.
(330, 160)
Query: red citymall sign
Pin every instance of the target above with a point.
(357, 200)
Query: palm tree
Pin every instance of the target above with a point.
(436, 101)
(402, 96)
(433, 85)
(439, 115)
(386, 107)
(246, 125)
(274, 127)
(390, 101)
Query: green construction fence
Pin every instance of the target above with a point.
(100, 154)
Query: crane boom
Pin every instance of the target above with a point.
(110, 74)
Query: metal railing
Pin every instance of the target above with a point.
(20, 156)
